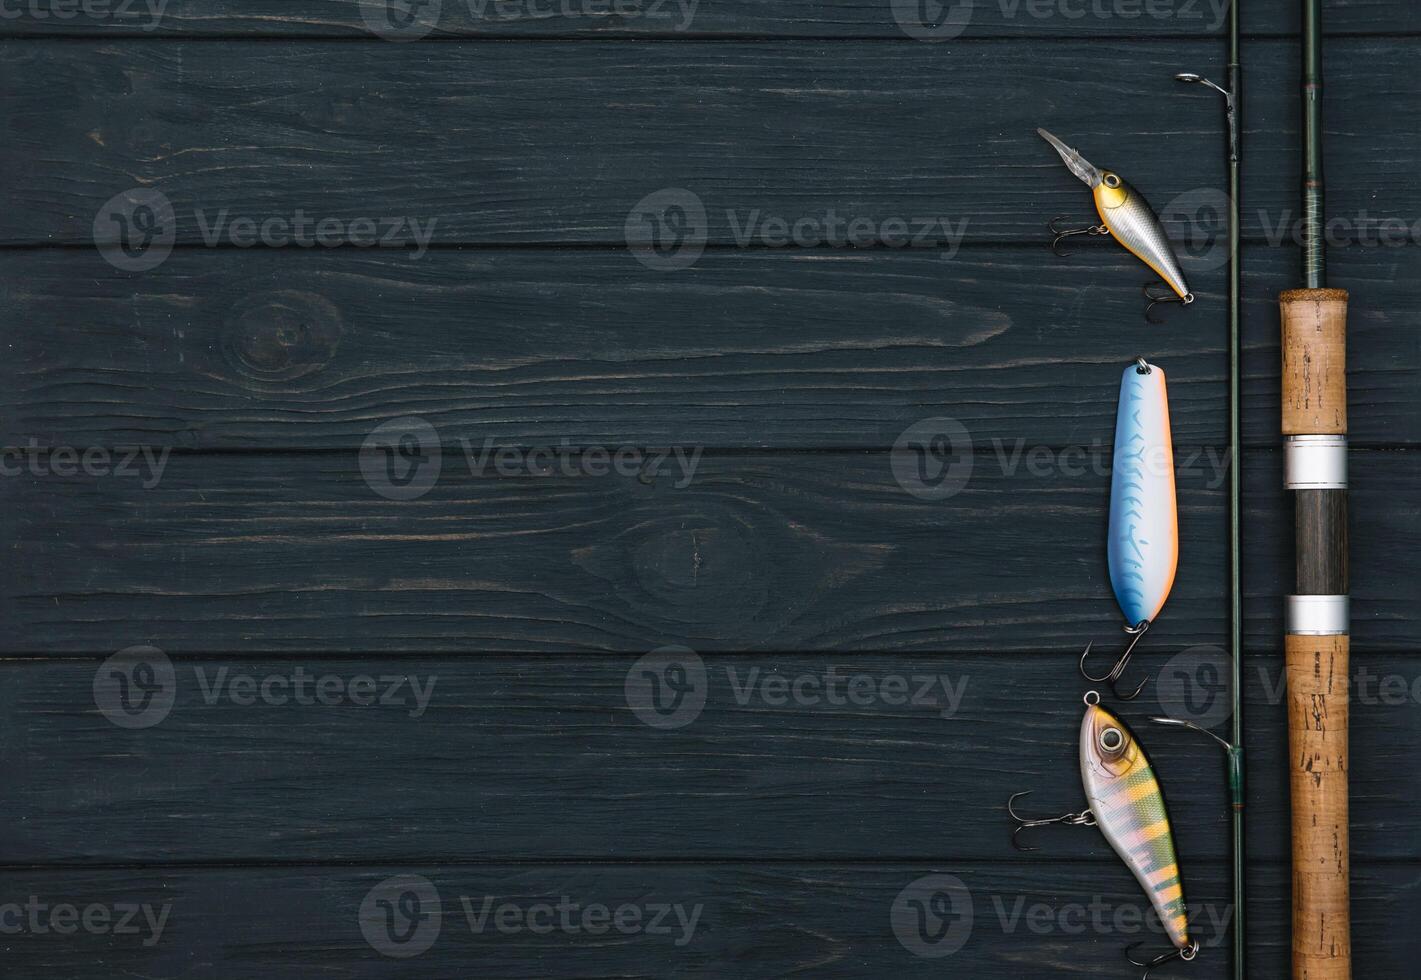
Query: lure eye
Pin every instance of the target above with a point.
(1111, 739)
(1112, 181)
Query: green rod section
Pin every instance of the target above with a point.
(1236, 784)
(1235, 755)
(1314, 255)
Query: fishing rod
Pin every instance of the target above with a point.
(1317, 644)
(1233, 109)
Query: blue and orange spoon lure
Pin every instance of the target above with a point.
(1144, 519)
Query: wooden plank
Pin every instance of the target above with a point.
(795, 349)
(699, 18)
(806, 758)
(564, 141)
(754, 921)
(254, 553)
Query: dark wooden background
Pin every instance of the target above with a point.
(794, 549)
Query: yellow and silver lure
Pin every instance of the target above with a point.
(1127, 216)
(1126, 804)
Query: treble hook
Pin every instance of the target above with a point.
(1187, 955)
(1063, 233)
(1113, 677)
(1083, 819)
(1156, 293)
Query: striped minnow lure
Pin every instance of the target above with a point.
(1143, 547)
(1125, 803)
(1126, 215)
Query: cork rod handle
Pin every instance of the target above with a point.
(1315, 404)
(1314, 361)
(1317, 741)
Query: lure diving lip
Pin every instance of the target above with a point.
(1143, 539)
(1126, 215)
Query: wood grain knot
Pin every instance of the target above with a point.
(281, 335)
(695, 570)
(682, 566)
